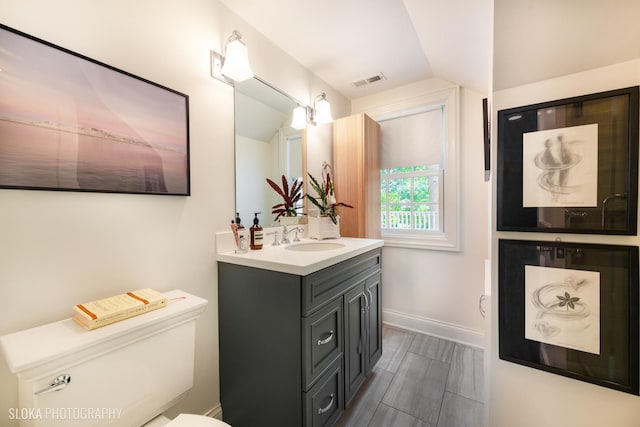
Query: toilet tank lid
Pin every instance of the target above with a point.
(31, 348)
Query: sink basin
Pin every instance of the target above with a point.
(315, 246)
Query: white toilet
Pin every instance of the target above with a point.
(121, 375)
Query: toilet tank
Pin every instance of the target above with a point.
(121, 375)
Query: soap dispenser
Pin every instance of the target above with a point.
(256, 233)
(238, 221)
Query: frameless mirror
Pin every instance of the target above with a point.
(266, 146)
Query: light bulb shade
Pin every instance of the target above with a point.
(299, 120)
(323, 111)
(236, 62)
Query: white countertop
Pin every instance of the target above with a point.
(279, 258)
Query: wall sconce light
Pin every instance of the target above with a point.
(235, 64)
(318, 114)
(321, 112)
(299, 119)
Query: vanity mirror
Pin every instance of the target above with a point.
(266, 146)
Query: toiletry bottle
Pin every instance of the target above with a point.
(238, 223)
(244, 242)
(256, 233)
(234, 229)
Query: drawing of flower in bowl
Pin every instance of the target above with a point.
(560, 303)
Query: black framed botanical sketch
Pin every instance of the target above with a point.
(571, 309)
(570, 165)
(68, 122)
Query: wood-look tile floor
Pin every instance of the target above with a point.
(420, 381)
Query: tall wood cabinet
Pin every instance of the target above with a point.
(356, 172)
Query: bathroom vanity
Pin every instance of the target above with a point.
(300, 330)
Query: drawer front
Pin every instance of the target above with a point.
(324, 403)
(331, 282)
(322, 335)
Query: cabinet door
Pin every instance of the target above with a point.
(356, 173)
(373, 290)
(355, 323)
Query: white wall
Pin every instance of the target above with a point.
(58, 249)
(258, 160)
(525, 397)
(437, 292)
(318, 150)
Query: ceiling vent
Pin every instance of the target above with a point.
(369, 80)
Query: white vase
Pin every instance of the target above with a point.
(289, 220)
(323, 228)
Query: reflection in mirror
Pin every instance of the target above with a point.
(266, 147)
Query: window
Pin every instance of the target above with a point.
(419, 175)
(409, 199)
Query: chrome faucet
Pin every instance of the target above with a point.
(286, 231)
(275, 238)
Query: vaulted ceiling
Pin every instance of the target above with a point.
(344, 41)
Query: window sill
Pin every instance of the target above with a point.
(438, 242)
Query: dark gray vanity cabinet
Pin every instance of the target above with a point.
(295, 349)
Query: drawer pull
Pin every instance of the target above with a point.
(326, 408)
(327, 339)
(370, 297)
(367, 304)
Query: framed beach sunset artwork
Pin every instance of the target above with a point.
(68, 122)
(570, 165)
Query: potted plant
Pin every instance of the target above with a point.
(327, 225)
(291, 195)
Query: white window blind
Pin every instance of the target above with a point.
(412, 140)
(417, 218)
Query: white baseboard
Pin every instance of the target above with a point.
(215, 412)
(436, 328)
